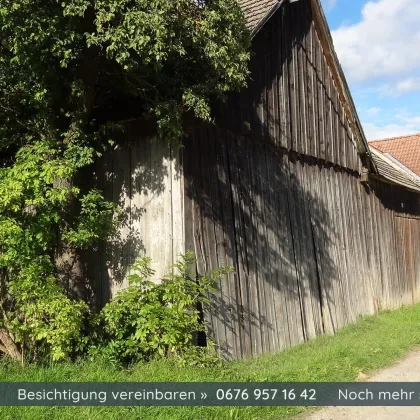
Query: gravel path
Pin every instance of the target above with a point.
(407, 370)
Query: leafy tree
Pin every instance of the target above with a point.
(66, 66)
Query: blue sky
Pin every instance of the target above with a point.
(378, 44)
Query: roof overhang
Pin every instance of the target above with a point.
(393, 171)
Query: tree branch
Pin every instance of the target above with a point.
(3, 349)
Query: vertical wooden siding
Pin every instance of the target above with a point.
(292, 100)
(144, 176)
(274, 191)
(313, 249)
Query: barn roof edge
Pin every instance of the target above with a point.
(394, 171)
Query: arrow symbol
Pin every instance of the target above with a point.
(203, 395)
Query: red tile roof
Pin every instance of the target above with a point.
(405, 149)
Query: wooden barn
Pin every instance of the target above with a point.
(284, 188)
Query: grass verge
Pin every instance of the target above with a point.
(372, 343)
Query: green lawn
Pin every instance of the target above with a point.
(372, 343)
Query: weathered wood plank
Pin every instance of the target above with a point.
(286, 57)
(275, 230)
(272, 74)
(302, 82)
(319, 219)
(332, 256)
(310, 91)
(250, 212)
(286, 274)
(297, 333)
(178, 206)
(213, 237)
(321, 98)
(336, 126)
(415, 234)
(343, 197)
(198, 212)
(342, 244)
(329, 146)
(299, 239)
(243, 272)
(263, 223)
(294, 84)
(311, 292)
(229, 244)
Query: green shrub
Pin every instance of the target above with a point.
(154, 320)
(38, 316)
(45, 322)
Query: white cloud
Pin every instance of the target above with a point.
(331, 4)
(413, 121)
(381, 57)
(400, 87)
(403, 123)
(375, 132)
(373, 111)
(385, 42)
(411, 84)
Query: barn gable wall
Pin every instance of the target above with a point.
(274, 190)
(292, 100)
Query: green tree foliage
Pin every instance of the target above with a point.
(64, 65)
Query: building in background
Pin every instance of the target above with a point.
(405, 149)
